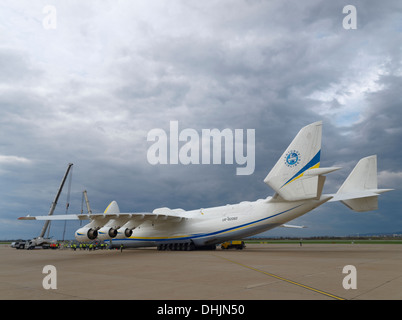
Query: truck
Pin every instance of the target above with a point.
(234, 244)
(19, 244)
(39, 242)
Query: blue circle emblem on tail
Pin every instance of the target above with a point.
(292, 158)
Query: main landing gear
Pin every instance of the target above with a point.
(183, 246)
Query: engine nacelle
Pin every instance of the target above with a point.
(105, 233)
(86, 234)
(123, 233)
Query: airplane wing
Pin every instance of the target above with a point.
(112, 223)
(137, 216)
(54, 217)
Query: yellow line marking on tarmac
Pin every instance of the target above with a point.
(286, 280)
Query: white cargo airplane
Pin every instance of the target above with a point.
(298, 182)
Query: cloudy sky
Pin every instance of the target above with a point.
(85, 81)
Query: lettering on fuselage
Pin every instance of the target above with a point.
(229, 219)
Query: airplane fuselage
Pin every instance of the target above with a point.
(217, 224)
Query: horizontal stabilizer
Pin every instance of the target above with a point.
(357, 194)
(292, 226)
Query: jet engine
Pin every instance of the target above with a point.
(105, 233)
(86, 234)
(123, 233)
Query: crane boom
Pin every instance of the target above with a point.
(54, 203)
(87, 201)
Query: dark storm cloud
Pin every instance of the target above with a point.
(90, 91)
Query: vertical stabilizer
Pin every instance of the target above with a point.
(288, 177)
(362, 178)
(360, 191)
(113, 207)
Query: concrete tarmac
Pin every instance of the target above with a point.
(260, 272)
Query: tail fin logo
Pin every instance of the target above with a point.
(292, 158)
